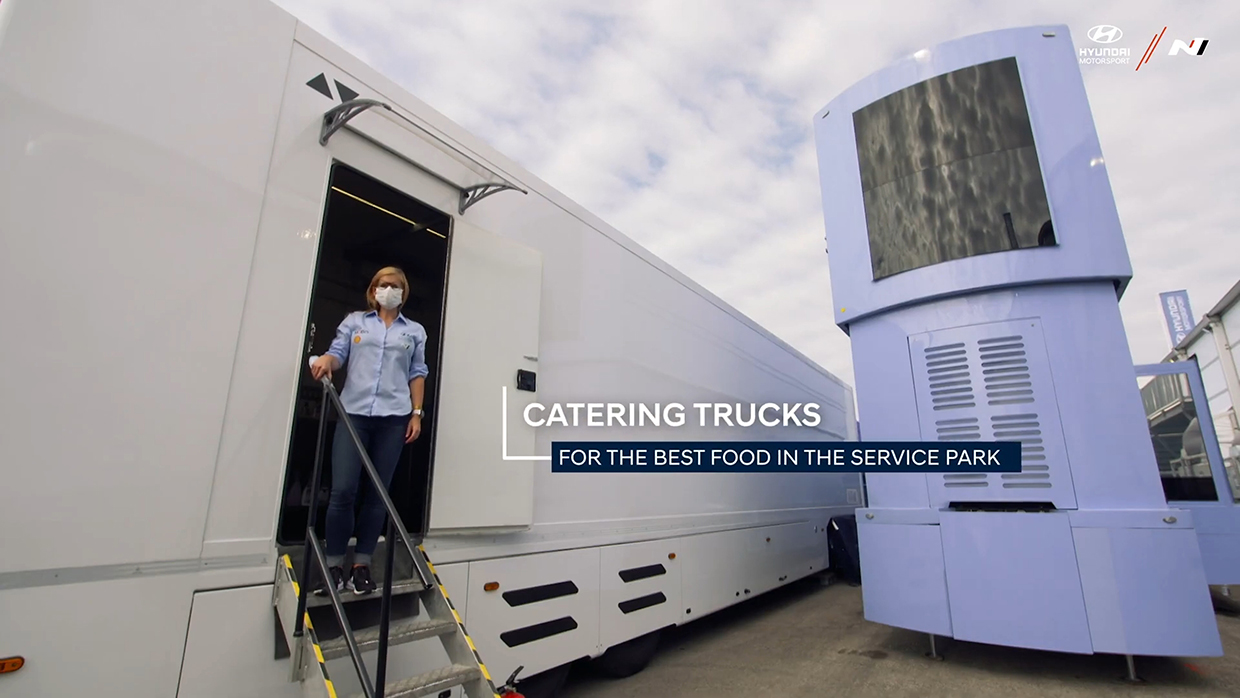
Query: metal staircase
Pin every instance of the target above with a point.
(434, 617)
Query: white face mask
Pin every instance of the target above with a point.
(388, 298)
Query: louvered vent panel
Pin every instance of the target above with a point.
(1005, 370)
(951, 387)
(992, 383)
(962, 429)
(1035, 473)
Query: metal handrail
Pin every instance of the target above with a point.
(313, 549)
(346, 630)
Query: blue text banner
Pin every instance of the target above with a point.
(784, 457)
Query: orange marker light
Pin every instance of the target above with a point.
(490, 586)
(671, 556)
(9, 665)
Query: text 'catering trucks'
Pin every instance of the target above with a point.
(193, 196)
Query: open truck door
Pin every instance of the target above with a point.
(1190, 462)
(490, 333)
(490, 316)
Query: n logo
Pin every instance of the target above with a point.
(1196, 47)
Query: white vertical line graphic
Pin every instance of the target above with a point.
(504, 432)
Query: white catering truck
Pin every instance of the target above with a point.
(192, 196)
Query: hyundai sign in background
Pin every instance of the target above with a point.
(1178, 313)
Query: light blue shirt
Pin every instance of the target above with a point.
(381, 362)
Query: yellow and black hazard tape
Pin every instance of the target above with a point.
(314, 640)
(444, 592)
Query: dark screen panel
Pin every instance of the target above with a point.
(949, 170)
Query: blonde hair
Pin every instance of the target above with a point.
(374, 283)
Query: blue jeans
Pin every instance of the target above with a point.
(383, 438)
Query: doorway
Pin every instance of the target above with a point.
(1175, 425)
(368, 225)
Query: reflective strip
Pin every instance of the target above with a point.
(318, 654)
(318, 651)
(459, 623)
(288, 566)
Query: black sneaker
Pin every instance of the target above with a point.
(337, 581)
(360, 581)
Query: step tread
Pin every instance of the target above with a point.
(398, 633)
(399, 587)
(430, 683)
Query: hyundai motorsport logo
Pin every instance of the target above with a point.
(1103, 53)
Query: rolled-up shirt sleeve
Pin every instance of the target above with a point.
(417, 362)
(340, 345)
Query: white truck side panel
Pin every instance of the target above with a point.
(617, 328)
(122, 637)
(133, 174)
(603, 300)
(724, 568)
(160, 208)
(229, 650)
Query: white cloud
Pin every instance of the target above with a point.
(687, 126)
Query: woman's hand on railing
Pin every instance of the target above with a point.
(323, 367)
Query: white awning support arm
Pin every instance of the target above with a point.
(336, 118)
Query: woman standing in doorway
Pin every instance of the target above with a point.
(385, 353)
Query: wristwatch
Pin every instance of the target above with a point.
(417, 412)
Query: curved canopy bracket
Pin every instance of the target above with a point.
(478, 192)
(336, 118)
(339, 115)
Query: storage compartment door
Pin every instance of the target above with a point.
(229, 647)
(1147, 593)
(543, 611)
(490, 327)
(640, 589)
(904, 583)
(1012, 579)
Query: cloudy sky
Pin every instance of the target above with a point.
(686, 125)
